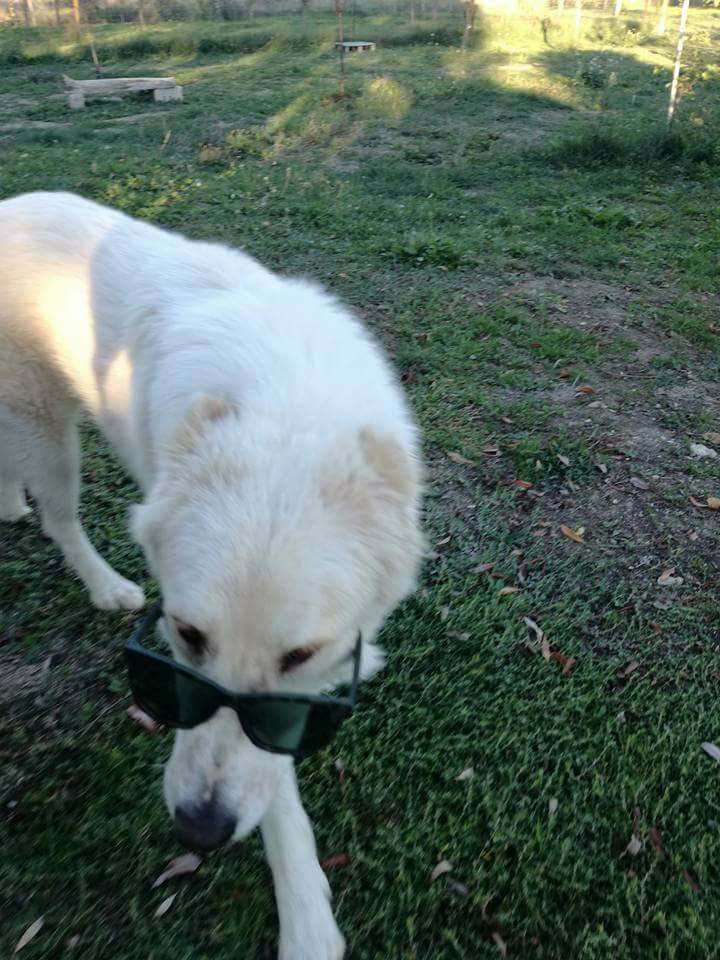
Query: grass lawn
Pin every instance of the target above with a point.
(542, 263)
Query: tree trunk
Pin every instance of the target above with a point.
(28, 13)
(578, 17)
(412, 11)
(561, 6)
(56, 4)
(141, 12)
(76, 10)
(678, 59)
(662, 22)
(469, 12)
(618, 8)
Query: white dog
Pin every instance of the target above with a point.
(279, 467)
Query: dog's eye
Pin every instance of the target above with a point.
(194, 638)
(293, 658)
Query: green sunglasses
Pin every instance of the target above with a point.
(178, 696)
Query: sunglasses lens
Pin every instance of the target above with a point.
(168, 695)
(287, 727)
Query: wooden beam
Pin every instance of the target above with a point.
(102, 88)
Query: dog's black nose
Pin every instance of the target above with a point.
(204, 827)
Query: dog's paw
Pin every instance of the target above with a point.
(312, 939)
(118, 594)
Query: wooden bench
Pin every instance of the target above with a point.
(354, 46)
(163, 89)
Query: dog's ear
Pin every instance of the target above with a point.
(395, 465)
(203, 412)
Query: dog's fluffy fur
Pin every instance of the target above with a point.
(278, 465)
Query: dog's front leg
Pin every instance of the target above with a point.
(307, 927)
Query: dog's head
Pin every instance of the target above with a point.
(271, 558)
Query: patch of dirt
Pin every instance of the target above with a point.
(638, 426)
(10, 102)
(136, 117)
(32, 125)
(20, 678)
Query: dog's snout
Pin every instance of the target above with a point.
(206, 826)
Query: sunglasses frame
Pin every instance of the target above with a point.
(235, 700)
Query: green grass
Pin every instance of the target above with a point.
(514, 224)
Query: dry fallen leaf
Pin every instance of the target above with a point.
(711, 750)
(666, 579)
(576, 535)
(713, 503)
(522, 484)
(179, 867)
(634, 846)
(440, 868)
(504, 591)
(630, 668)
(601, 467)
(656, 840)
(457, 887)
(143, 719)
(552, 806)
(501, 945)
(700, 450)
(467, 774)
(459, 458)
(712, 437)
(484, 568)
(444, 614)
(531, 625)
(545, 647)
(639, 484)
(491, 451)
(690, 880)
(165, 905)
(565, 461)
(625, 716)
(567, 663)
(31, 932)
(585, 389)
(339, 860)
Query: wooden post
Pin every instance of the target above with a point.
(469, 12)
(678, 59)
(341, 38)
(93, 54)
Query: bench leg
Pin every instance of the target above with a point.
(163, 94)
